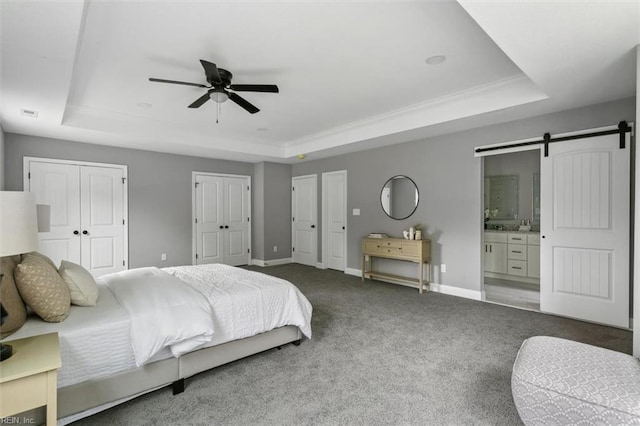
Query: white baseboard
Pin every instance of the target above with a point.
(456, 291)
(353, 271)
(437, 288)
(273, 262)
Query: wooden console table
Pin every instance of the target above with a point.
(417, 251)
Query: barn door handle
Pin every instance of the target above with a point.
(76, 232)
(85, 232)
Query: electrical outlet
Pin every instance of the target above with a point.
(163, 256)
(275, 248)
(443, 268)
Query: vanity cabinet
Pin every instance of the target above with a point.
(495, 252)
(512, 255)
(533, 256)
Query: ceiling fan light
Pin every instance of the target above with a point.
(219, 96)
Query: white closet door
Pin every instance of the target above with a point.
(236, 220)
(102, 219)
(209, 218)
(334, 200)
(58, 185)
(585, 230)
(304, 216)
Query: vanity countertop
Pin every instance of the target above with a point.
(506, 231)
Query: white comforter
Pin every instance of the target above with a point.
(204, 305)
(165, 312)
(246, 303)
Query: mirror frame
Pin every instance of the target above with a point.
(417, 201)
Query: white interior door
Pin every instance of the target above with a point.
(102, 219)
(209, 219)
(304, 216)
(236, 220)
(58, 185)
(334, 214)
(585, 230)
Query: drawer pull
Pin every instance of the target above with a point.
(516, 251)
(516, 267)
(519, 239)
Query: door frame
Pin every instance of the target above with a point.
(325, 218)
(194, 240)
(125, 189)
(634, 240)
(293, 225)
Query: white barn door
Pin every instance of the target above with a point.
(334, 219)
(304, 219)
(585, 230)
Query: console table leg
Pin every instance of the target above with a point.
(420, 276)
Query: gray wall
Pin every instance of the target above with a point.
(2, 167)
(159, 191)
(257, 207)
(277, 211)
(449, 179)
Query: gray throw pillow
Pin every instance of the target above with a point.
(82, 287)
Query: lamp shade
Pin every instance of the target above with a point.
(18, 223)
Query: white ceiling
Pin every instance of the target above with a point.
(352, 74)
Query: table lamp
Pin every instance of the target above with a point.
(18, 234)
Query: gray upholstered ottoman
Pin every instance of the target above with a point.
(558, 382)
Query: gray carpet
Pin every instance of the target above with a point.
(380, 354)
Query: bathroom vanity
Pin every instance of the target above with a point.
(512, 255)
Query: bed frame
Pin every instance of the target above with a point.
(90, 397)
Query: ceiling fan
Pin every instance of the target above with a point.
(220, 88)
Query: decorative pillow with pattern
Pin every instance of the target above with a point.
(82, 287)
(42, 288)
(10, 298)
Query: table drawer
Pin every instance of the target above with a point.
(533, 239)
(517, 267)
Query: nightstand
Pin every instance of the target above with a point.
(29, 378)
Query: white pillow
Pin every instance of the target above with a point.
(82, 287)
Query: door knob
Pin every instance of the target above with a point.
(221, 227)
(76, 232)
(85, 232)
(313, 226)
(343, 228)
(226, 227)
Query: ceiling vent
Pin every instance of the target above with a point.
(29, 113)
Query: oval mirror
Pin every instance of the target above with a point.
(399, 197)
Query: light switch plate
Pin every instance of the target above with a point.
(356, 212)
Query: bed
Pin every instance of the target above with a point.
(227, 313)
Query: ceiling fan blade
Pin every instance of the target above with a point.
(201, 100)
(160, 80)
(211, 71)
(266, 88)
(243, 103)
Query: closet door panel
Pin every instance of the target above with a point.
(236, 213)
(58, 185)
(209, 219)
(102, 219)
